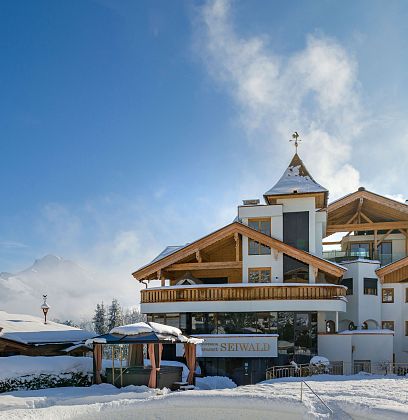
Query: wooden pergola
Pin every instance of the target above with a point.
(366, 211)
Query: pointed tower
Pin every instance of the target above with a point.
(297, 181)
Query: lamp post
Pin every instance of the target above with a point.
(45, 307)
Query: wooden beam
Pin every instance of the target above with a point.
(198, 256)
(382, 238)
(331, 243)
(219, 265)
(375, 240)
(352, 217)
(293, 252)
(236, 237)
(367, 226)
(366, 218)
(405, 233)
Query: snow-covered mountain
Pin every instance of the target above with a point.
(72, 290)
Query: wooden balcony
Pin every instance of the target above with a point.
(240, 293)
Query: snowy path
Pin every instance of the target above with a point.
(356, 397)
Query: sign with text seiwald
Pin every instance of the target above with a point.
(216, 345)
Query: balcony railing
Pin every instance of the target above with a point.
(384, 259)
(248, 292)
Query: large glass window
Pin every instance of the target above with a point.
(296, 229)
(264, 226)
(370, 286)
(361, 250)
(349, 284)
(259, 275)
(384, 251)
(286, 332)
(294, 271)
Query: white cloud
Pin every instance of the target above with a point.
(314, 91)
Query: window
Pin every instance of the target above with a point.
(388, 295)
(296, 229)
(387, 325)
(406, 328)
(264, 226)
(330, 327)
(259, 275)
(370, 286)
(349, 284)
(406, 295)
(261, 225)
(384, 251)
(294, 271)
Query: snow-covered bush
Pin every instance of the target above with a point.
(45, 381)
(36, 372)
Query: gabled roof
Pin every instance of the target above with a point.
(394, 272)
(295, 180)
(229, 230)
(365, 210)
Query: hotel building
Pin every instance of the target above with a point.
(263, 291)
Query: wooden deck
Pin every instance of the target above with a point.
(225, 293)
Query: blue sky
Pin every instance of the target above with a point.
(126, 126)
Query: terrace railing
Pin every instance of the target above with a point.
(231, 293)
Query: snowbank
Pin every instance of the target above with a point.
(358, 397)
(17, 366)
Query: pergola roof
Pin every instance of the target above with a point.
(144, 338)
(365, 210)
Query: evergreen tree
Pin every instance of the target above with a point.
(99, 319)
(131, 316)
(115, 315)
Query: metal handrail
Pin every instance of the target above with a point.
(336, 368)
(320, 399)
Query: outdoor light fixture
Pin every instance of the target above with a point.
(45, 307)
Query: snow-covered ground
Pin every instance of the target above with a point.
(357, 397)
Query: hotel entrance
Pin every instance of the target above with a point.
(243, 371)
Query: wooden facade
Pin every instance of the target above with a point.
(225, 293)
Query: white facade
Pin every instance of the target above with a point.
(363, 309)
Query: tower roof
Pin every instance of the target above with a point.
(296, 180)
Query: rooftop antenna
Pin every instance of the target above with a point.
(296, 139)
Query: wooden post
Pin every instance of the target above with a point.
(161, 278)
(236, 237)
(198, 256)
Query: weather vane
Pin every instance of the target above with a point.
(296, 139)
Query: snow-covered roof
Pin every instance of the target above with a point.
(30, 329)
(296, 179)
(167, 251)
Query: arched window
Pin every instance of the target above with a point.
(330, 327)
(351, 326)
